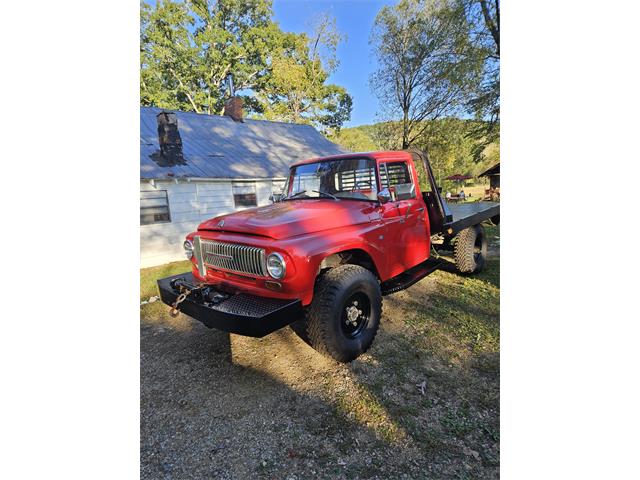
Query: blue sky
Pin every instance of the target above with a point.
(355, 19)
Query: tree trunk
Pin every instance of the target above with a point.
(494, 27)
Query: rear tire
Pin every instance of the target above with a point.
(344, 317)
(470, 250)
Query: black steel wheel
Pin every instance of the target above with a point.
(355, 315)
(344, 317)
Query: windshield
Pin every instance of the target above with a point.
(351, 178)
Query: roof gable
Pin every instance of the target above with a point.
(495, 170)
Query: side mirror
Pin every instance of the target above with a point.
(384, 196)
(275, 197)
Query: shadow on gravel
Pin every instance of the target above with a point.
(220, 406)
(215, 405)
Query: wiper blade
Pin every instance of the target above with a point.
(295, 194)
(325, 193)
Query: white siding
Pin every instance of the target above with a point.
(277, 186)
(190, 203)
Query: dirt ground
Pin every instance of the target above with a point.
(422, 403)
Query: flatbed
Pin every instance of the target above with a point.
(468, 214)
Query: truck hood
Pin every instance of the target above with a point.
(292, 217)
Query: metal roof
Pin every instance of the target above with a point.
(217, 147)
(495, 170)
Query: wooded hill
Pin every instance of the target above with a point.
(452, 148)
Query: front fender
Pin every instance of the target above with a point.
(308, 252)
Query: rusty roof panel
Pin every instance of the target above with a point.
(214, 146)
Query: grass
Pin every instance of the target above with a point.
(476, 191)
(157, 312)
(362, 406)
(149, 276)
(462, 318)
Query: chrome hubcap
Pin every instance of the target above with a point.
(353, 312)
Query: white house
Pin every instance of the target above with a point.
(194, 167)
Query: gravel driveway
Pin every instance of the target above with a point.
(424, 402)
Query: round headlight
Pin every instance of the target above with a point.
(188, 249)
(276, 265)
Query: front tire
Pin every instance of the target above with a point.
(344, 317)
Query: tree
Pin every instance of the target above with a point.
(483, 17)
(187, 49)
(425, 70)
(356, 139)
(296, 90)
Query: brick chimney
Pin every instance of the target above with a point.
(233, 108)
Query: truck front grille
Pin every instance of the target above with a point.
(233, 257)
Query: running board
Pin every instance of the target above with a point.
(411, 276)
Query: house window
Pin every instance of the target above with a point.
(154, 207)
(244, 194)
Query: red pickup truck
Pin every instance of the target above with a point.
(347, 230)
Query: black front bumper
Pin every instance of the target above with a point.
(241, 313)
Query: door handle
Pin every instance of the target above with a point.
(406, 215)
(408, 212)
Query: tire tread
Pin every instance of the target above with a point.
(322, 309)
(463, 250)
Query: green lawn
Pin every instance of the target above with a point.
(149, 276)
(157, 312)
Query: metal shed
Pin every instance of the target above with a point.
(494, 176)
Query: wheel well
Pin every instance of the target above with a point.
(351, 257)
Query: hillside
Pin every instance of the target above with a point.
(447, 140)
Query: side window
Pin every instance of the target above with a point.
(244, 194)
(154, 207)
(397, 178)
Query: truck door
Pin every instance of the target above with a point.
(406, 232)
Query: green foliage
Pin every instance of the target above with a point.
(357, 139)
(437, 59)
(483, 18)
(296, 91)
(425, 69)
(187, 50)
(449, 142)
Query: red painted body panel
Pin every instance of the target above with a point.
(396, 235)
(292, 218)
